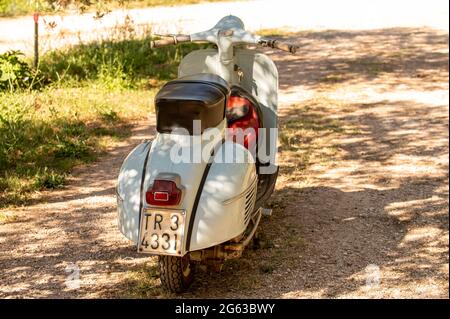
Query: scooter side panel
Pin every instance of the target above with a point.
(128, 191)
(216, 222)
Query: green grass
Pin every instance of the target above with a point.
(128, 64)
(89, 97)
(44, 134)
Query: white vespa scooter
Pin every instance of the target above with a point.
(195, 193)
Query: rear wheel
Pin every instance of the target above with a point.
(176, 273)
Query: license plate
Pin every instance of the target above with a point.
(162, 232)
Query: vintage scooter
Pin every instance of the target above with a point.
(195, 194)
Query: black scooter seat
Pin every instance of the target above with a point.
(195, 97)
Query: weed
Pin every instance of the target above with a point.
(109, 115)
(49, 179)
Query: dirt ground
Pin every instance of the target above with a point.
(360, 208)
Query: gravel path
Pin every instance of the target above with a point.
(360, 207)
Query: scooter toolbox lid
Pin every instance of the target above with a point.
(195, 97)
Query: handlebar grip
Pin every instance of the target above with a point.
(275, 44)
(170, 41)
(285, 46)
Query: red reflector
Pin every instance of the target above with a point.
(161, 196)
(163, 193)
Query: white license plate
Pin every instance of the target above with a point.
(162, 232)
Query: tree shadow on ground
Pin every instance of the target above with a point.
(315, 248)
(321, 239)
(415, 58)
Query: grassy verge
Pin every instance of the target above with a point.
(91, 95)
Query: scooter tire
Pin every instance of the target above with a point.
(176, 273)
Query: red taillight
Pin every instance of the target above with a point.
(242, 114)
(163, 193)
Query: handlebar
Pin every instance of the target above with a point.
(172, 40)
(275, 44)
(180, 38)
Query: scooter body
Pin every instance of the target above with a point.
(194, 195)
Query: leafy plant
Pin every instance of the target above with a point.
(14, 72)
